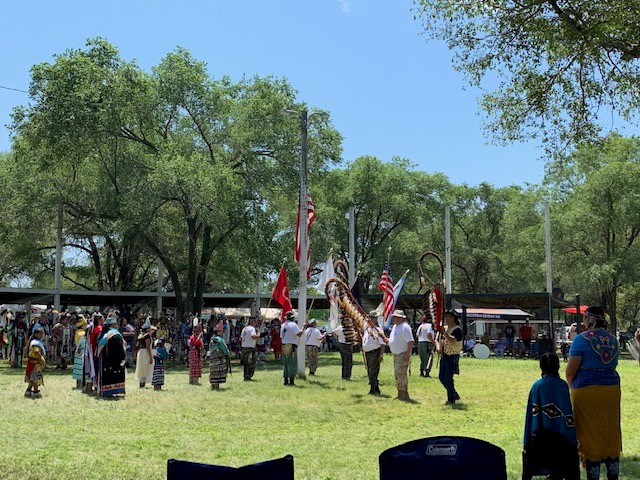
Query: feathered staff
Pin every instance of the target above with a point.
(433, 299)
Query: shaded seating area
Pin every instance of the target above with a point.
(453, 458)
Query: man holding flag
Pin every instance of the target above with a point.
(281, 293)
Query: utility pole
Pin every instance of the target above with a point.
(58, 265)
(352, 245)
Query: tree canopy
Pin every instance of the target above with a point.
(201, 173)
(169, 164)
(559, 65)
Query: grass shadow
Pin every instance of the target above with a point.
(457, 406)
(319, 384)
(115, 398)
(630, 464)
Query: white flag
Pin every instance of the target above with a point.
(327, 273)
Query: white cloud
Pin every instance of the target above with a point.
(345, 6)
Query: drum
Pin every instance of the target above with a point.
(481, 351)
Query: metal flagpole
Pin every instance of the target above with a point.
(447, 248)
(304, 232)
(547, 216)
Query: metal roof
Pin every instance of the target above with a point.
(527, 301)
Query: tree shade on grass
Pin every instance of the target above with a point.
(332, 427)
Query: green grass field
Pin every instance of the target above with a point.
(332, 427)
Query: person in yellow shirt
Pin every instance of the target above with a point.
(35, 364)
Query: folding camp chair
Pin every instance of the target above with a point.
(453, 458)
(278, 469)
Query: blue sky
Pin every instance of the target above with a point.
(388, 91)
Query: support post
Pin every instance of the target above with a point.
(352, 245)
(302, 288)
(58, 265)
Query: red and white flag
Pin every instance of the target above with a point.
(311, 217)
(386, 285)
(281, 293)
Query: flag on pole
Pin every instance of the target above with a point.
(396, 294)
(281, 293)
(311, 217)
(386, 285)
(327, 272)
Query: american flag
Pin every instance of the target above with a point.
(311, 217)
(386, 285)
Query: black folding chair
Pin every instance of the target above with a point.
(450, 458)
(278, 469)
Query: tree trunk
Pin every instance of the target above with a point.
(205, 259)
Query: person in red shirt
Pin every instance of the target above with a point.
(196, 346)
(526, 334)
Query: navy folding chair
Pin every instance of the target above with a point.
(278, 469)
(450, 458)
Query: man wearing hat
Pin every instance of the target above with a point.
(290, 334)
(249, 337)
(450, 349)
(401, 344)
(313, 341)
(373, 343)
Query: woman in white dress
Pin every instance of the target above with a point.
(144, 359)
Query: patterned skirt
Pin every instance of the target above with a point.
(158, 375)
(218, 370)
(195, 363)
(77, 367)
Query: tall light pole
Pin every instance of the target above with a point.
(303, 213)
(351, 215)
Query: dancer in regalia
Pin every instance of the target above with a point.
(35, 364)
(111, 360)
(78, 358)
(160, 354)
(219, 361)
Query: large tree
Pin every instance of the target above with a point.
(394, 206)
(597, 221)
(558, 64)
(172, 162)
(477, 237)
